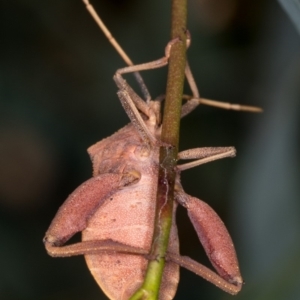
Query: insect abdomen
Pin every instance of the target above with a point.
(128, 217)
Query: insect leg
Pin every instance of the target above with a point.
(204, 155)
(73, 215)
(132, 103)
(204, 272)
(93, 247)
(216, 242)
(136, 118)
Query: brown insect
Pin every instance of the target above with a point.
(115, 209)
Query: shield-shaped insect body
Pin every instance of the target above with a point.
(127, 215)
(115, 209)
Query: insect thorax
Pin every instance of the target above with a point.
(123, 152)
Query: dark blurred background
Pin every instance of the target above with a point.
(57, 98)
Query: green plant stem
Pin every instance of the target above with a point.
(168, 155)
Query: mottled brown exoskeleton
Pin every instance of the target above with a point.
(115, 209)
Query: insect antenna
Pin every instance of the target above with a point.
(118, 48)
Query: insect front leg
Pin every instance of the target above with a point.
(73, 215)
(216, 242)
(134, 105)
